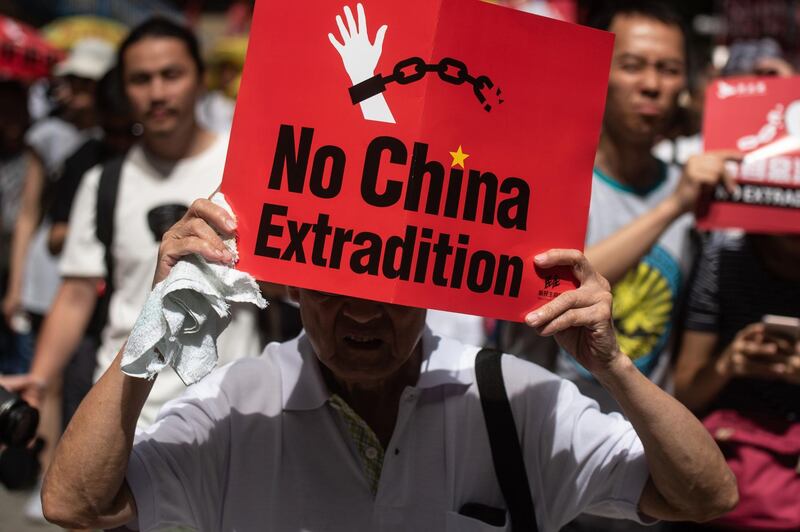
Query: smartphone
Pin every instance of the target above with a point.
(782, 326)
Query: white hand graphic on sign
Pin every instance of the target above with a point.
(360, 57)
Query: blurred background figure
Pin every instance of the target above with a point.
(749, 57)
(18, 166)
(123, 207)
(33, 275)
(735, 371)
(638, 233)
(225, 63)
(26, 57)
(118, 134)
(742, 376)
(757, 57)
(72, 118)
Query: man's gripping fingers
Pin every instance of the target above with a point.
(578, 308)
(216, 216)
(198, 232)
(582, 269)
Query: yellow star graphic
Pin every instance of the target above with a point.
(458, 157)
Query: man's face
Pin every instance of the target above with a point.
(162, 84)
(356, 339)
(648, 70)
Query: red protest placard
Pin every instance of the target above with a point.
(422, 153)
(760, 117)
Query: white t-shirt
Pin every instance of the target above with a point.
(258, 446)
(646, 299)
(144, 185)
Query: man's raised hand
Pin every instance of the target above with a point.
(704, 170)
(579, 319)
(197, 232)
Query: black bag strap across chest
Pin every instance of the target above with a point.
(509, 464)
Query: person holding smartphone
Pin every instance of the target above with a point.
(742, 373)
(728, 352)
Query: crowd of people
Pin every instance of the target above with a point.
(101, 194)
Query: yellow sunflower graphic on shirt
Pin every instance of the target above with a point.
(643, 305)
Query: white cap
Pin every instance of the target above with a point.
(89, 58)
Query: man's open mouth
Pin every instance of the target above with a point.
(357, 341)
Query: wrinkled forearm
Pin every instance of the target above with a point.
(85, 485)
(686, 467)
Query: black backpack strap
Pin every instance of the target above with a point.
(107, 192)
(106, 205)
(509, 464)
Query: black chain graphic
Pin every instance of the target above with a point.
(449, 70)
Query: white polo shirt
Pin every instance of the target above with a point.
(258, 446)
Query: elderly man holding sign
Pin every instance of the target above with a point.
(368, 421)
(271, 443)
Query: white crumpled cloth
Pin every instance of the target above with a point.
(184, 315)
